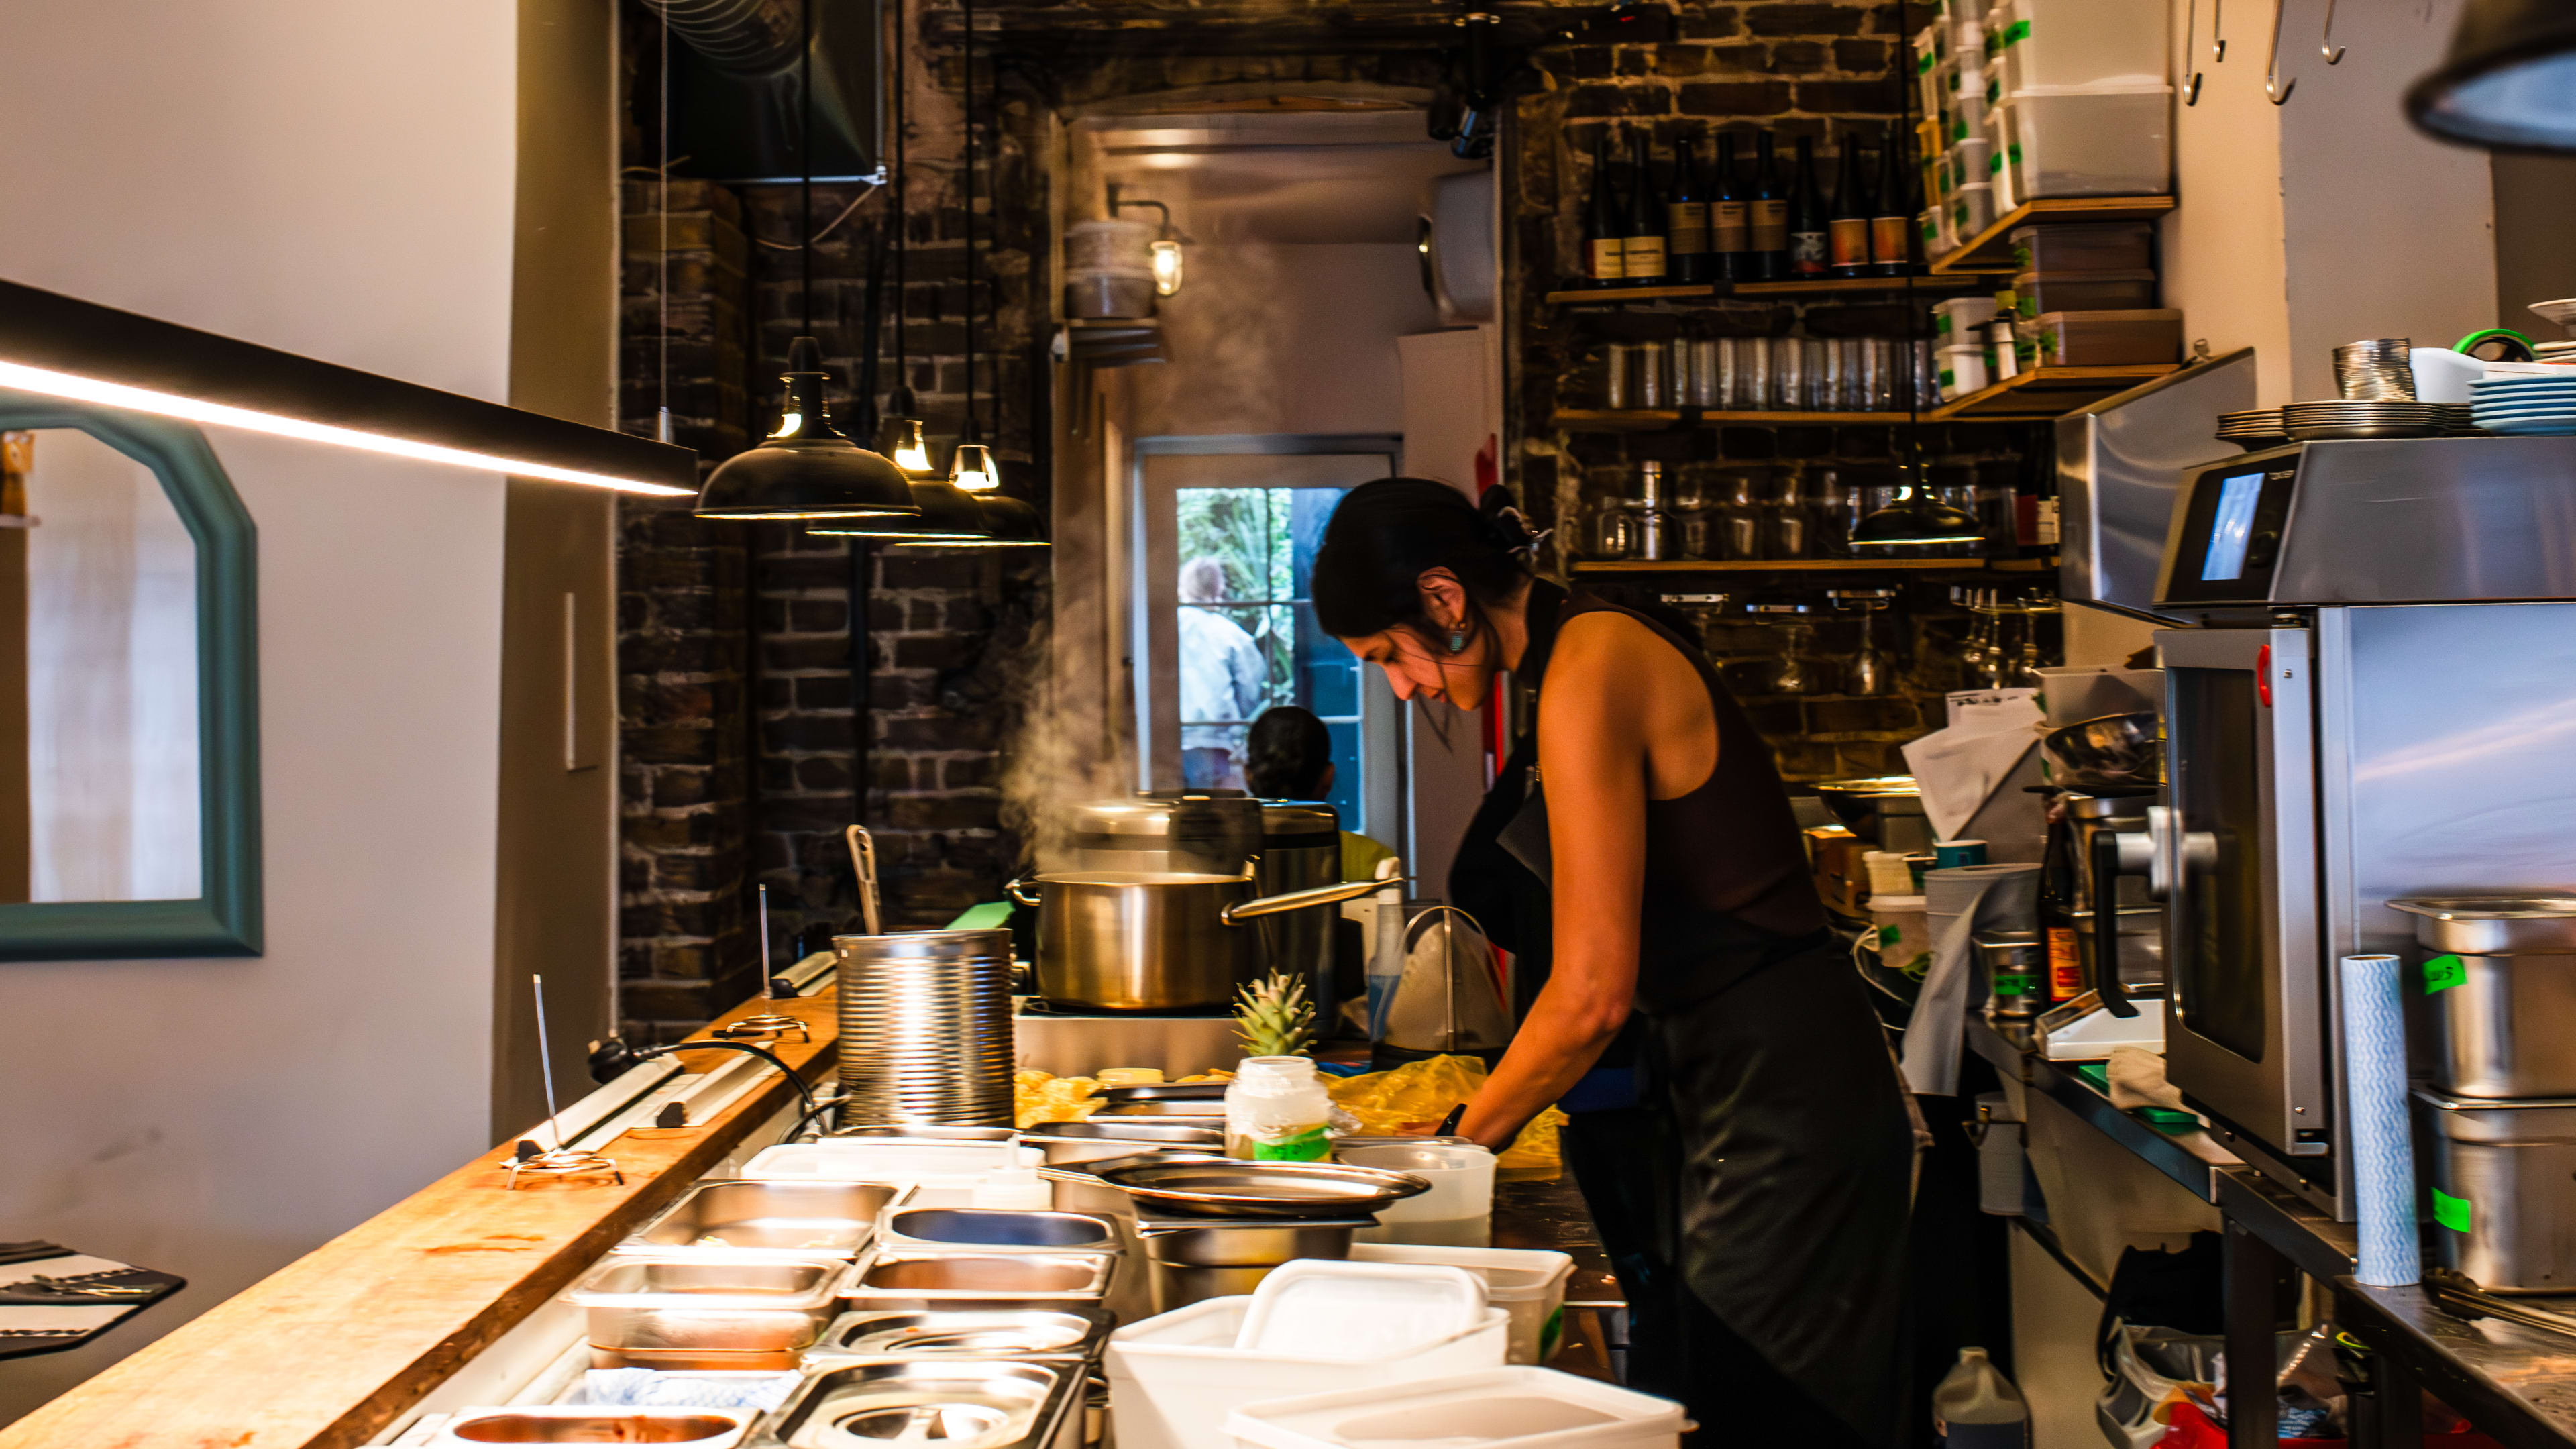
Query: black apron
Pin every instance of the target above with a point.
(1791, 1153)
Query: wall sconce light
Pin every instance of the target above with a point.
(1167, 266)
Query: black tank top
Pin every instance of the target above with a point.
(1727, 889)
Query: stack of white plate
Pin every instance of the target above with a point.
(2525, 403)
(2372, 418)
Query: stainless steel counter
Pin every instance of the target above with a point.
(2515, 1383)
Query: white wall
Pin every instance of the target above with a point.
(1285, 339)
(337, 180)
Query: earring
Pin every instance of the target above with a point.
(1457, 641)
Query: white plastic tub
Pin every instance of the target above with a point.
(1459, 1208)
(1174, 1377)
(1528, 1283)
(1972, 210)
(1956, 319)
(2083, 43)
(1507, 1408)
(1962, 369)
(2101, 141)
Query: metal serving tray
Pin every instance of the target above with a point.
(770, 1217)
(964, 1402)
(992, 1230)
(1232, 1188)
(912, 1279)
(1069, 1333)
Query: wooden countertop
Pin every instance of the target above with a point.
(327, 1351)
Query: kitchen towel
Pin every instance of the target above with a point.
(1959, 903)
(2383, 1154)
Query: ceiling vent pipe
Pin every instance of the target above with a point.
(737, 103)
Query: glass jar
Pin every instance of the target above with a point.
(1788, 375)
(1613, 532)
(1739, 518)
(1655, 537)
(1789, 522)
(1617, 386)
(1276, 1110)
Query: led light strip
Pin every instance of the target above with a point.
(143, 400)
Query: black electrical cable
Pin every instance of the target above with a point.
(804, 1093)
(805, 183)
(798, 1131)
(967, 12)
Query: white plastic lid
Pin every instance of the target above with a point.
(1527, 1408)
(1321, 1308)
(1511, 1275)
(1427, 1157)
(1905, 903)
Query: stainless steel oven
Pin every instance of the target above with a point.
(2382, 704)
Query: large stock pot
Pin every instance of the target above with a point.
(1156, 940)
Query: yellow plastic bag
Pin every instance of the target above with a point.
(1424, 1091)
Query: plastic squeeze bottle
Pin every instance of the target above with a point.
(1976, 1407)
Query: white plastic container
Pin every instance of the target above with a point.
(1955, 319)
(2101, 141)
(1962, 369)
(2003, 352)
(1276, 1109)
(1318, 1308)
(965, 1174)
(1968, 158)
(1174, 1377)
(1528, 1283)
(1972, 210)
(2084, 43)
(2003, 154)
(1458, 1210)
(1497, 1409)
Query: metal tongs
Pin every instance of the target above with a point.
(2463, 1297)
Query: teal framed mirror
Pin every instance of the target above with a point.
(129, 690)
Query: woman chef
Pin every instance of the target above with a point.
(1679, 892)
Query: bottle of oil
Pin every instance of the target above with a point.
(2057, 922)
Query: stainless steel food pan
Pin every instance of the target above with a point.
(1190, 1260)
(925, 1280)
(992, 1229)
(789, 1219)
(2493, 925)
(2496, 1190)
(1068, 1142)
(708, 1302)
(1072, 1333)
(963, 1402)
(596, 1424)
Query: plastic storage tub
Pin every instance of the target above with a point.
(1972, 209)
(1955, 318)
(2092, 246)
(963, 1174)
(2037, 292)
(1174, 1377)
(1458, 1211)
(2104, 339)
(2102, 141)
(1527, 1283)
(1962, 370)
(1493, 1410)
(2083, 42)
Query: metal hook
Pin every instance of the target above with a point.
(2326, 46)
(2190, 22)
(2276, 89)
(2217, 23)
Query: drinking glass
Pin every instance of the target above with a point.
(1789, 374)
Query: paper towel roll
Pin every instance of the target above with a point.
(2383, 1155)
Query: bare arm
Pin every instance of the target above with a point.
(1612, 690)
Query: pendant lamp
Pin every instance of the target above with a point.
(1011, 523)
(2509, 82)
(900, 437)
(946, 516)
(806, 469)
(1915, 517)
(972, 469)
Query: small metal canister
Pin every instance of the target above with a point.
(2017, 971)
(2499, 980)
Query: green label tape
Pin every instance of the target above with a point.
(1890, 935)
(2017, 32)
(2012, 985)
(1307, 1146)
(2451, 1212)
(2444, 972)
(1551, 1334)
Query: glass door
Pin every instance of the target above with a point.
(1225, 623)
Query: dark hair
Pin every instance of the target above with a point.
(1384, 535)
(1286, 754)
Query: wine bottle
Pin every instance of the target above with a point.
(1727, 240)
(1686, 255)
(1602, 223)
(1891, 226)
(2057, 922)
(1767, 226)
(1807, 224)
(1849, 225)
(1641, 241)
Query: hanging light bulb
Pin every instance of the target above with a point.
(1167, 266)
(806, 469)
(973, 470)
(901, 439)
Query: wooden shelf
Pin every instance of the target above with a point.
(1781, 565)
(2047, 392)
(1990, 251)
(1647, 420)
(1718, 291)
